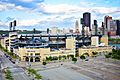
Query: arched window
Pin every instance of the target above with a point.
(31, 59)
(27, 59)
(37, 59)
(31, 54)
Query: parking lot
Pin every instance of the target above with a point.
(97, 68)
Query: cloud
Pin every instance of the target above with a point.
(86, 4)
(63, 9)
(6, 6)
(9, 19)
(59, 14)
(59, 9)
(106, 10)
(71, 12)
(10, 6)
(24, 3)
(66, 11)
(26, 0)
(20, 8)
(3, 25)
(31, 22)
(34, 1)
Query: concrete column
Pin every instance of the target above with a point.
(33, 59)
(22, 58)
(29, 59)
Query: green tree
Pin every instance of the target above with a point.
(82, 57)
(34, 74)
(74, 60)
(72, 56)
(50, 58)
(8, 53)
(60, 57)
(38, 76)
(94, 53)
(113, 50)
(44, 63)
(29, 71)
(107, 56)
(115, 54)
(76, 54)
(86, 54)
(33, 71)
(55, 58)
(68, 56)
(64, 57)
(8, 75)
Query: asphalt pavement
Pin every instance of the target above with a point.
(17, 72)
(62, 73)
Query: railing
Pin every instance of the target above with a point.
(56, 42)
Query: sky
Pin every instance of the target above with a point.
(43, 14)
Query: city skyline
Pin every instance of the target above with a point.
(43, 14)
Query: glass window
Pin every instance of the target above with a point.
(37, 53)
(31, 54)
(27, 54)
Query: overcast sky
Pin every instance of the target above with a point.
(42, 14)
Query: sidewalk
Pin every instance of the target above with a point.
(25, 64)
(2, 76)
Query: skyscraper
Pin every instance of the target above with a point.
(48, 30)
(112, 28)
(82, 23)
(95, 28)
(77, 29)
(103, 28)
(87, 20)
(107, 20)
(118, 27)
(54, 30)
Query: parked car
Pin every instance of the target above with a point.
(86, 59)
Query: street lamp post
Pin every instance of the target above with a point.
(29, 64)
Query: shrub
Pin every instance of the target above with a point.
(74, 60)
(82, 57)
(44, 63)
